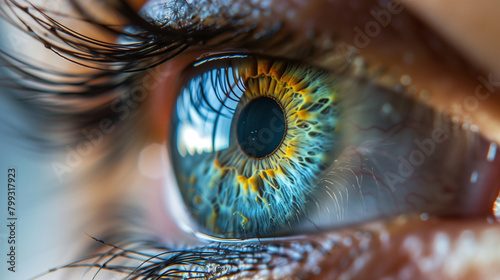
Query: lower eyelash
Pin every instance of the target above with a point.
(148, 260)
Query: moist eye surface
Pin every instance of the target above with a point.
(250, 139)
(263, 147)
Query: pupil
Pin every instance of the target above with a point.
(261, 127)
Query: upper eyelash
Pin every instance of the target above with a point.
(153, 44)
(119, 66)
(116, 63)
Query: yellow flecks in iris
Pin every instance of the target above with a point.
(277, 69)
(217, 163)
(265, 86)
(303, 114)
(270, 173)
(243, 183)
(242, 179)
(278, 171)
(287, 78)
(223, 172)
(197, 199)
(299, 86)
(263, 66)
(192, 179)
(252, 181)
(308, 99)
(244, 219)
(298, 89)
(263, 200)
(267, 172)
(223, 169)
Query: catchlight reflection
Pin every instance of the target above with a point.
(215, 119)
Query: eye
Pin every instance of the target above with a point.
(251, 137)
(265, 147)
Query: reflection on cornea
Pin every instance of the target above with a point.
(496, 208)
(492, 152)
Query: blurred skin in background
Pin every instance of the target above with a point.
(124, 197)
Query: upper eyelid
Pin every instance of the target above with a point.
(251, 37)
(435, 63)
(146, 44)
(249, 40)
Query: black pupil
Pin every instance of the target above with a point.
(260, 127)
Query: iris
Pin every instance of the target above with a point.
(265, 147)
(250, 136)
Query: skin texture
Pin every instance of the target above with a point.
(416, 249)
(474, 37)
(443, 46)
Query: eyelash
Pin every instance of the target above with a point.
(211, 261)
(121, 67)
(118, 67)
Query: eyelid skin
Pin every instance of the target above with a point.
(406, 48)
(473, 29)
(442, 80)
(408, 248)
(416, 249)
(427, 71)
(438, 75)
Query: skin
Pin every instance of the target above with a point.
(414, 243)
(435, 248)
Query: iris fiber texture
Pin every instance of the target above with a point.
(240, 184)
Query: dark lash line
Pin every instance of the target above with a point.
(119, 68)
(212, 260)
(153, 43)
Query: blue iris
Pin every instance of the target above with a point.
(249, 140)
